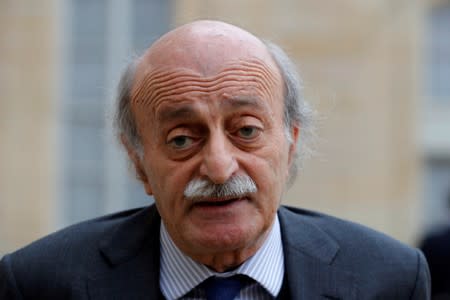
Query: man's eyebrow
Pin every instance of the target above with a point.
(187, 111)
(179, 112)
(236, 102)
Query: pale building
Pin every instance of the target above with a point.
(377, 72)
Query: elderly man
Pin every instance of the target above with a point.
(210, 116)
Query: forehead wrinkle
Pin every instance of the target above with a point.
(147, 96)
(255, 65)
(161, 85)
(156, 76)
(168, 83)
(176, 96)
(164, 77)
(194, 87)
(240, 67)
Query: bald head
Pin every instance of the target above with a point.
(201, 50)
(204, 46)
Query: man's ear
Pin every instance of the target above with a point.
(137, 163)
(295, 132)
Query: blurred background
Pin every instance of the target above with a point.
(378, 72)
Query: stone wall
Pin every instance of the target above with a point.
(359, 62)
(27, 121)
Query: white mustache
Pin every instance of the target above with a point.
(236, 186)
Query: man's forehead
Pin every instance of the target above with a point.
(185, 109)
(199, 56)
(235, 82)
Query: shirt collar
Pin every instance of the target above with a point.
(179, 273)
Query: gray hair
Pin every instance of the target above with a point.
(297, 112)
(124, 121)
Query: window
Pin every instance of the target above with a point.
(437, 191)
(98, 38)
(436, 117)
(438, 52)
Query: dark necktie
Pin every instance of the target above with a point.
(223, 288)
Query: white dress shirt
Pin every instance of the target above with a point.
(180, 275)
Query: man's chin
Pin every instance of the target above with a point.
(223, 248)
(222, 237)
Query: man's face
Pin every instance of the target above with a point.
(213, 125)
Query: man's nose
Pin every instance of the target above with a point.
(219, 162)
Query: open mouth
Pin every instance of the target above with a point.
(219, 202)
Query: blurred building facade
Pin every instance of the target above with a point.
(377, 71)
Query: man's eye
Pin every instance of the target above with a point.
(181, 141)
(248, 132)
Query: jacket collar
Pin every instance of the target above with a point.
(309, 255)
(132, 252)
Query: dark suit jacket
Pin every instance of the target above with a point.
(117, 257)
(436, 247)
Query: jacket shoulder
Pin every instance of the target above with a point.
(75, 240)
(60, 260)
(350, 236)
(378, 262)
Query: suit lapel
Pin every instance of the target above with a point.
(132, 257)
(309, 255)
